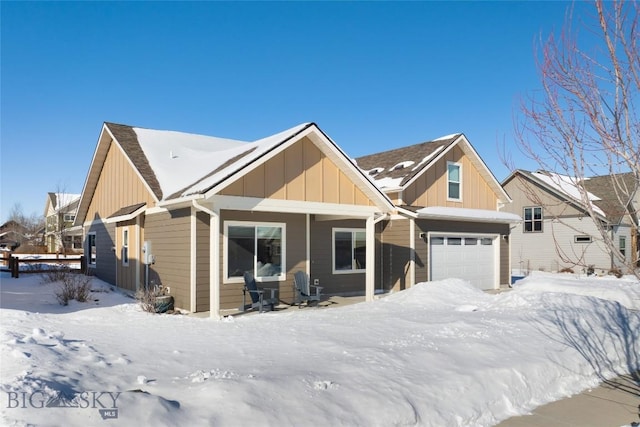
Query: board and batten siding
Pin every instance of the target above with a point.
(430, 188)
(295, 255)
(393, 269)
(170, 236)
(301, 172)
(118, 186)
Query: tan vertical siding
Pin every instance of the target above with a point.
(303, 173)
(118, 186)
(169, 234)
(430, 189)
(396, 254)
(275, 179)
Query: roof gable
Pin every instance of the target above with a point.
(395, 170)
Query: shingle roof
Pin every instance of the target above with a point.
(605, 188)
(127, 210)
(402, 164)
(128, 140)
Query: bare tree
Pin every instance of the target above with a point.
(59, 220)
(584, 122)
(25, 230)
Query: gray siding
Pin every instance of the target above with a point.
(169, 234)
(202, 261)
(105, 255)
(321, 259)
(231, 293)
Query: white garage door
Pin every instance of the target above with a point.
(472, 258)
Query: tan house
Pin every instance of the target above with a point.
(194, 212)
(448, 221)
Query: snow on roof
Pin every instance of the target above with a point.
(181, 160)
(428, 157)
(447, 136)
(388, 183)
(402, 165)
(374, 171)
(65, 199)
(483, 215)
(569, 186)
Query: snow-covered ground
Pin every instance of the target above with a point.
(439, 354)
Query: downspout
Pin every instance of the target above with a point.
(214, 259)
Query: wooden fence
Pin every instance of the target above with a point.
(12, 264)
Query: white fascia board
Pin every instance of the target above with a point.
(100, 148)
(126, 217)
(291, 206)
(185, 201)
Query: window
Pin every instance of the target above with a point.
(454, 241)
(349, 250)
(623, 246)
(437, 241)
(533, 219)
(69, 217)
(453, 181)
(470, 241)
(91, 249)
(257, 248)
(125, 247)
(582, 239)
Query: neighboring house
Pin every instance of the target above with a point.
(60, 213)
(11, 235)
(557, 231)
(448, 221)
(202, 210)
(14, 235)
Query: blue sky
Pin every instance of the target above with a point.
(372, 75)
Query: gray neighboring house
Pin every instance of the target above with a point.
(557, 231)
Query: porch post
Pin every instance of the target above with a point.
(214, 264)
(370, 260)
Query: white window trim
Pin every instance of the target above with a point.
(225, 261)
(95, 241)
(72, 217)
(333, 250)
(533, 220)
(459, 165)
(582, 238)
(125, 230)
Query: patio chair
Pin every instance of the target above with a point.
(302, 289)
(258, 299)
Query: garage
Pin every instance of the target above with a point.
(469, 257)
